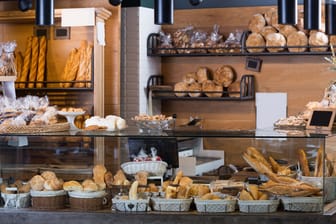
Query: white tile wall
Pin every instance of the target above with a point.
(136, 67)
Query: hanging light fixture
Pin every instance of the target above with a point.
(44, 12)
(312, 14)
(287, 12)
(163, 12)
(330, 17)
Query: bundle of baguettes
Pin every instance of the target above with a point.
(31, 66)
(78, 67)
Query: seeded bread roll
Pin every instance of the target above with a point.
(256, 23)
(255, 43)
(316, 39)
(211, 89)
(267, 30)
(297, 38)
(275, 42)
(181, 86)
(195, 89)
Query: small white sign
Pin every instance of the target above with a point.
(78, 17)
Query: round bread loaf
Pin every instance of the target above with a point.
(181, 86)
(299, 39)
(195, 89)
(256, 23)
(275, 42)
(255, 43)
(211, 89)
(203, 74)
(224, 75)
(37, 182)
(267, 30)
(271, 16)
(234, 89)
(317, 39)
(190, 77)
(286, 30)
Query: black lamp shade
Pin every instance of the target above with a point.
(312, 14)
(163, 12)
(44, 12)
(330, 17)
(287, 12)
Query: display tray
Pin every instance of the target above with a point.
(65, 126)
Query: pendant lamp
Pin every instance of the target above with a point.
(312, 14)
(44, 12)
(330, 17)
(287, 12)
(163, 12)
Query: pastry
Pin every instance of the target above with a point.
(299, 39)
(256, 23)
(255, 43)
(245, 195)
(195, 89)
(99, 175)
(72, 185)
(317, 39)
(275, 42)
(224, 75)
(181, 89)
(211, 89)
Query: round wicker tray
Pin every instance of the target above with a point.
(35, 129)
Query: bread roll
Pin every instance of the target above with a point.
(99, 175)
(53, 184)
(267, 30)
(275, 42)
(287, 30)
(181, 86)
(119, 178)
(195, 89)
(203, 74)
(48, 175)
(211, 89)
(256, 23)
(41, 61)
(271, 16)
(37, 182)
(26, 62)
(72, 185)
(224, 75)
(89, 185)
(297, 38)
(255, 43)
(190, 77)
(316, 39)
(34, 61)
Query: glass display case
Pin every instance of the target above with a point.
(72, 155)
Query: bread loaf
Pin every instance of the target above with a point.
(299, 39)
(224, 75)
(190, 77)
(41, 61)
(271, 17)
(286, 30)
(88, 76)
(72, 185)
(89, 185)
(53, 184)
(181, 89)
(34, 61)
(26, 63)
(202, 74)
(48, 175)
(211, 89)
(303, 163)
(37, 183)
(267, 30)
(255, 43)
(195, 89)
(71, 68)
(317, 39)
(275, 42)
(256, 23)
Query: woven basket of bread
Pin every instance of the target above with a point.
(171, 205)
(302, 204)
(65, 126)
(222, 205)
(154, 168)
(258, 206)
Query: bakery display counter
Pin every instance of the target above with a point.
(130, 144)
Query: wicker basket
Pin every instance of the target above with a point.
(302, 204)
(154, 168)
(222, 205)
(173, 205)
(48, 199)
(35, 129)
(258, 206)
(125, 205)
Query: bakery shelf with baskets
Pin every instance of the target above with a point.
(157, 90)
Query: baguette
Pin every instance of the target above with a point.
(133, 191)
(71, 68)
(33, 64)
(26, 63)
(318, 163)
(303, 163)
(88, 75)
(41, 61)
(82, 69)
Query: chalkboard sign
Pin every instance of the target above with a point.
(322, 119)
